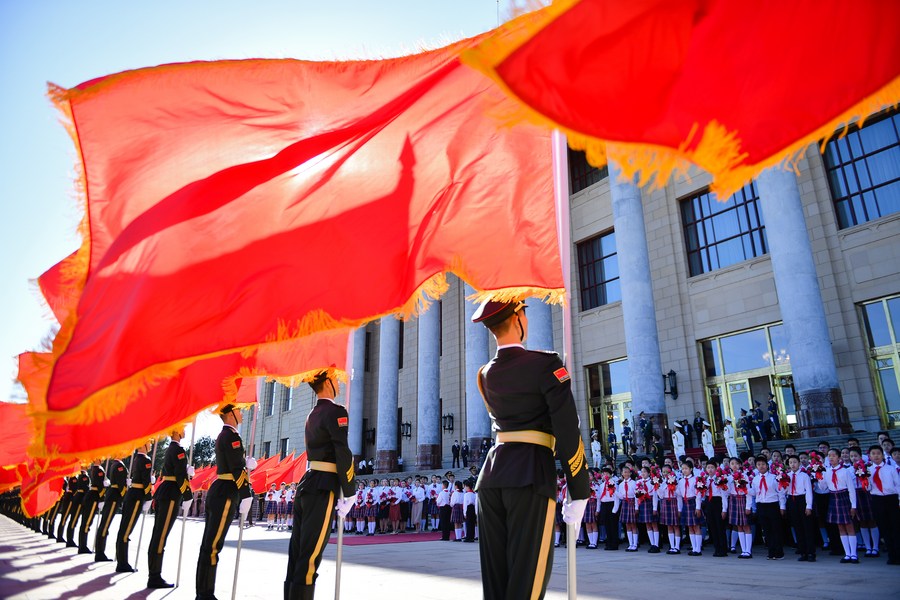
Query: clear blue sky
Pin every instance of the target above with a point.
(69, 42)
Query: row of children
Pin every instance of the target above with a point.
(848, 491)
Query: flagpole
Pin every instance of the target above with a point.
(143, 514)
(237, 558)
(184, 512)
(561, 197)
(339, 556)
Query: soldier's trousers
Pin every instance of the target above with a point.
(112, 502)
(77, 505)
(65, 505)
(312, 525)
(221, 505)
(131, 508)
(167, 505)
(515, 529)
(88, 509)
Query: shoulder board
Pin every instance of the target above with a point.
(547, 352)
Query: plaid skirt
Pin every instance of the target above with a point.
(371, 511)
(290, 507)
(590, 511)
(864, 506)
(433, 509)
(456, 515)
(839, 508)
(282, 508)
(737, 504)
(689, 518)
(668, 512)
(271, 507)
(356, 512)
(645, 511)
(627, 514)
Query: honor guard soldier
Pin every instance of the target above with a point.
(172, 493)
(137, 498)
(82, 483)
(89, 506)
(529, 399)
(118, 478)
(330, 473)
(66, 506)
(229, 492)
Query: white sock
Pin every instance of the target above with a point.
(371, 527)
(592, 537)
(867, 537)
(742, 539)
(824, 533)
(699, 537)
(847, 541)
(458, 532)
(875, 533)
(476, 531)
(671, 539)
(734, 537)
(556, 537)
(678, 541)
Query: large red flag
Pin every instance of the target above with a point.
(300, 466)
(17, 431)
(233, 204)
(734, 87)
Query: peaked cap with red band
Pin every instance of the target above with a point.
(492, 312)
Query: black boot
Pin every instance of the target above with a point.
(300, 591)
(100, 548)
(122, 565)
(206, 580)
(154, 567)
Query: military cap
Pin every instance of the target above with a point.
(492, 312)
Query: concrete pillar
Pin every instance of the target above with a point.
(478, 423)
(428, 415)
(357, 393)
(638, 309)
(388, 388)
(540, 325)
(820, 407)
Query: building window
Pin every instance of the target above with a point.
(287, 402)
(610, 402)
(440, 306)
(267, 448)
(583, 174)
(720, 234)
(368, 348)
(284, 447)
(400, 348)
(598, 269)
(864, 170)
(270, 398)
(881, 320)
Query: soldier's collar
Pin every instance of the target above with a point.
(231, 427)
(326, 399)
(522, 346)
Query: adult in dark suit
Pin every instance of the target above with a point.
(330, 473)
(464, 454)
(529, 399)
(455, 451)
(698, 428)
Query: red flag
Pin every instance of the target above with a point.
(203, 477)
(279, 474)
(17, 430)
(734, 87)
(233, 204)
(260, 473)
(42, 481)
(300, 466)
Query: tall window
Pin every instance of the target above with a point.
(284, 447)
(864, 170)
(582, 174)
(882, 324)
(287, 401)
(598, 269)
(368, 347)
(720, 234)
(400, 349)
(270, 398)
(267, 448)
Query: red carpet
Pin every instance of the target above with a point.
(364, 540)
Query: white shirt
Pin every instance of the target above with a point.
(456, 498)
(717, 492)
(418, 494)
(596, 448)
(845, 481)
(687, 488)
(468, 500)
(768, 493)
(443, 498)
(890, 480)
(801, 485)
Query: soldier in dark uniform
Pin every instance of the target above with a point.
(137, 498)
(760, 421)
(229, 492)
(330, 473)
(773, 417)
(172, 493)
(746, 426)
(65, 507)
(92, 497)
(627, 446)
(82, 483)
(118, 478)
(529, 399)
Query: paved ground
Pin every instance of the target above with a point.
(32, 567)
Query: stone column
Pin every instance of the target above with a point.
(638, 309)
(820, 407)
(357, 393)
(540, 325)
(388, 388)
(428, 413)
(478, 423)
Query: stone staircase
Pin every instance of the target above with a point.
(866, 439)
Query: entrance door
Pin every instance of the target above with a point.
(717, 407)
(738, 398)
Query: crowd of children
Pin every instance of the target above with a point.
(835, 498)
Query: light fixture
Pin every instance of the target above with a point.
(670, 384)
(447, 422)
(406, 429)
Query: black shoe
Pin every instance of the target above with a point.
(733, 550)
(653, 550)
(745, 556)
(875, 554)
(84, 551)
(778, 557)
(71, 545)
(811, 558)
(126, 568)
(692, 553)
(854, 560)
(845, 560)
(158, 583)
(102, 558)
(720, 555)
(803, 558)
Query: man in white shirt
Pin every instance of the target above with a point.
(800, 510)
(770, 507)
(885, 490)
(596, 451)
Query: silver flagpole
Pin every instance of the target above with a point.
(237, 558)
(339, 556)
(561, 195)
(184, 513)
(143, 514)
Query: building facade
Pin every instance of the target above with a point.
(790, 286)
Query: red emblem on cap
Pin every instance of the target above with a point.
(342, 421)
(236, 444)
(562, 374)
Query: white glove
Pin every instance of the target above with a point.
(100, 507)
(128, 482)
(106, 483)
(190, 470)
(572, 511)
(343, 506)
(251, 463)
(146, 507)
(186, 506)
(244, 507)
(152, 479)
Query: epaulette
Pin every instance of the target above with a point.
(553, 352)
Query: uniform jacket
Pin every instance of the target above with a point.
(175, 465)
(230, 460)
(326, 440)
(531, 390)
(140, 473)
